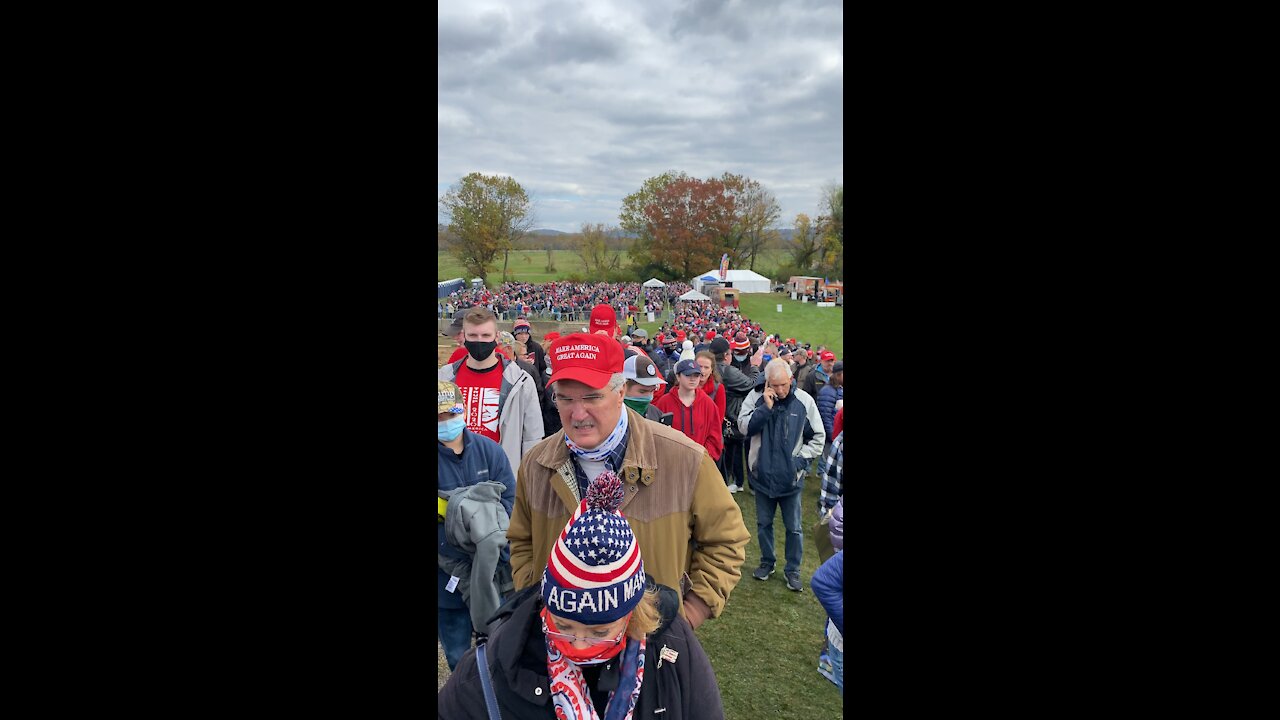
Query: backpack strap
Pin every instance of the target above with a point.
(486, 682)
(506, 385)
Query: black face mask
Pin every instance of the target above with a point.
(480, 350)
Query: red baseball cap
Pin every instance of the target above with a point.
(808, 353)
(603, 318)
(711, 335)
(553, 335)
(587, 358)
(659, 338)
(680, 335)
(827, 355)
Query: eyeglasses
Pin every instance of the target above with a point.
(590, 641)
(589, 402)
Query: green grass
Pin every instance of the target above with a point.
(764, 647)
(804, 321)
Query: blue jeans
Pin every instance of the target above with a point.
(455, 629)
(837, 665)
(765, 507)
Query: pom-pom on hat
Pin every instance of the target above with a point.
(595, 575)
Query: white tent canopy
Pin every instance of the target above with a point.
(654, 282)
(693, 295)
(745, 281)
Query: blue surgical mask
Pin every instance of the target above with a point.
(450, 429)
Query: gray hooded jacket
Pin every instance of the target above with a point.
(476, 522)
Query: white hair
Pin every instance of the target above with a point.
(776, 367)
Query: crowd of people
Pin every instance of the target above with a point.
(561, 301)
(586, 514)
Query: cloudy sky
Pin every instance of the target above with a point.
(581, 102)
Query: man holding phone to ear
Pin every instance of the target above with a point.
(785, 430)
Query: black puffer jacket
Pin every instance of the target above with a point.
(685, 689)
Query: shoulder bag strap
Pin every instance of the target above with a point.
(486, 682)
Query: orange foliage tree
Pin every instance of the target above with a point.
(688, 221)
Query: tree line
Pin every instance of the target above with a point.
(672, 227)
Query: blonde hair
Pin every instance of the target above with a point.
(645, 617)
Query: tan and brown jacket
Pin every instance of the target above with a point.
(676, 502)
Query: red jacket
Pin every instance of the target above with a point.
(701, 422)
(716, 394)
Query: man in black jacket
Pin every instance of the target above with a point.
(733, 463)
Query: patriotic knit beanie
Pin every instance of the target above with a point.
(595, 575)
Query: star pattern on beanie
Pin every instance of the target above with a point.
(595, 574)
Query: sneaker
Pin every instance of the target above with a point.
(763, 572)
(734, 488)
(793, 581)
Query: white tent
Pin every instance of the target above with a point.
(693, 295)
(654, 282)
(744, 281)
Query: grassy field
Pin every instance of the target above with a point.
(530, 265)
(804, 321)
(764, 647)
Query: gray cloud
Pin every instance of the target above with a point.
(582, 102)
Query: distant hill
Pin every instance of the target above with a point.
(543, 231)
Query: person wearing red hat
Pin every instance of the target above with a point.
(820, 375)
(702, 535)
(604, 321)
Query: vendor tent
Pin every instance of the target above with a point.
(748, 281)
(693, 295)
(654, 282)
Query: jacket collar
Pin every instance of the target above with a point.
(638, 464)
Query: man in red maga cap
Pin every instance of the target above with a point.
(697, 545)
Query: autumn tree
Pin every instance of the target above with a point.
(806, 242)
(833, 202)
(592, 247)
(756, 211)
(688, 220)
(488, 215)
(633, 220)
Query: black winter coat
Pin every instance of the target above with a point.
(685, 689)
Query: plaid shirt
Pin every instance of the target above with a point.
(833, 479)
(612, 462)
